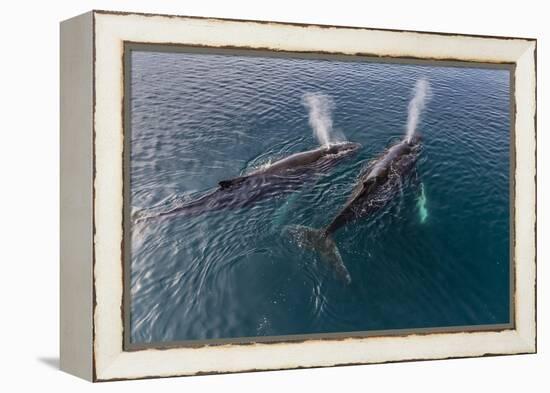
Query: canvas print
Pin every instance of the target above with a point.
(274, 197)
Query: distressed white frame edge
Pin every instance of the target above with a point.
(111, 362)
(76, 204)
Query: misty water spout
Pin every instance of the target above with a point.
(320, 107)
(417, 104)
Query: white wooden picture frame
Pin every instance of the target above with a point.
(92, 197)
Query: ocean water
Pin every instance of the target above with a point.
(437, 255)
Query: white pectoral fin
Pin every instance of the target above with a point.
(422, 204)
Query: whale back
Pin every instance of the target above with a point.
(382, 166)
(295, 160)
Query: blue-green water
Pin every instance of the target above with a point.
(436, 256)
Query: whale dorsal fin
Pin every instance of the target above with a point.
(224, 183)
(368, 182)
(231, 182)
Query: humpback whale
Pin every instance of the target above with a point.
(280, 177)
(375, 187)
(321, 159)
